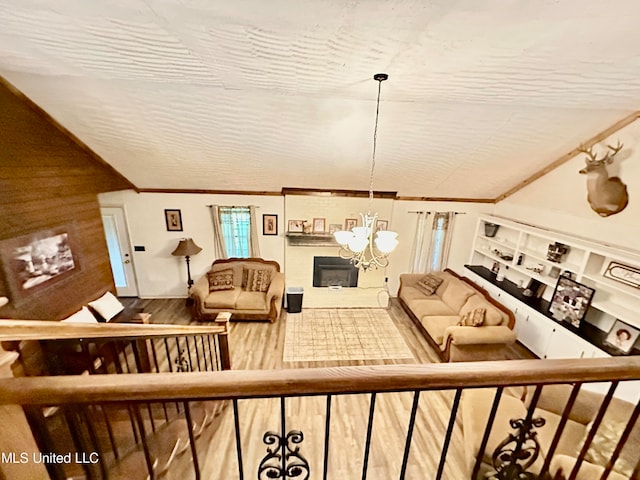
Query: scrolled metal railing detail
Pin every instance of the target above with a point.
(516, 453)
(283, 458)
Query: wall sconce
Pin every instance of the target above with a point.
(187, 248)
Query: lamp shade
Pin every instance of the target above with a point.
(186, 248)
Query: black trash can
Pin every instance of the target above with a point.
(294, 299)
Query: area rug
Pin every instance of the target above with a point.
(342, 334)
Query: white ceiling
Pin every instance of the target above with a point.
(259, 95)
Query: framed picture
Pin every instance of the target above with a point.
(173, 218)
(334, 227)
(382, 225)
(622, 336)
(269, 224)
(37, 261)
(623, 274)
(570, 301)
(319, 225)
(349, 223)
(296, 226)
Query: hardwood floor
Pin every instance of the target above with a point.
(259, 345)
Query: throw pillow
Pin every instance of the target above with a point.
(604, 443)
(220, 280)
(257, 280)
(107, 306)
(429, 284)
(82, 316)
(473, 318)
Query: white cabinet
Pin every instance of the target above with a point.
(536, 333)
(565, 344)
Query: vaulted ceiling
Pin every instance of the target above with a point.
(259, 95)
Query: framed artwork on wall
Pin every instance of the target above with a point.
(38, 260)
(349, 223)
(382, 225)
(173, 219)
(269, 224)
(334, 227)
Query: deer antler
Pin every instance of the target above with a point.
(593, 158)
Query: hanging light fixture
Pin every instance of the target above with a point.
(365, 247)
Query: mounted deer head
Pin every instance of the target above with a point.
(606, 195)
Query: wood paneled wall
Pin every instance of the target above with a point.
(48, 178)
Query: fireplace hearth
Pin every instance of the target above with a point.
(334, 271)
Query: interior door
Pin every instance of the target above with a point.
(115, 229)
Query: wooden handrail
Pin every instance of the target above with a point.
(45, 330)
(312, 381)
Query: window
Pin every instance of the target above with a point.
(236, 223)
(438, 242)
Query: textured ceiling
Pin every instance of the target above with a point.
(256, 95)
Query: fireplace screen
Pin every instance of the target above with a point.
(334, 271)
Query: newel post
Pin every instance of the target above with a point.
(17, 442)
(222, 319)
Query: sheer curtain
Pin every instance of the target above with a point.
(253, 233)
(419, 251)
(441, 234)
(219, 249)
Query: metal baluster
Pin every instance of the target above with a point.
(210, 352)
(487, 431)
(367, 444)
(116, 357)
(186, 339)
(594, 428)
(216, 349)
(154, 355)
(195, 342)
(283, 432)
(623, 439)
(327, 427)
(236, 422)
(447, 437)
(166, 347)
(86, 416)
(192, 440)
(107, 422)
(136, 357)
(204, 353)
(126, 358)
(153, 423)
(145, 447)
(412, 421)
(560, 428)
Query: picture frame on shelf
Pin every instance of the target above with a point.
(622, 336)
(570, 301)
(319, 225)
(382, 225)
(624, 274)
(269, 224)
(173, 219)
(295, 226)
(334, 227)
(349, 223)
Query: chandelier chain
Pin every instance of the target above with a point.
(375, 140)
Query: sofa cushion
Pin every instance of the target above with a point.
(222, 298)
(251, 301)
(81, 316)
(572, 434)
(220, 280)
(604, 443)
(407, 294)
(428, 284)
(473, 318)
(492, 317)
(456, 294)
(563, 464)
(256, 280)
(107, 306)
(430, 306)
(435, 325)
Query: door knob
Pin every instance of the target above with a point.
(127, 261)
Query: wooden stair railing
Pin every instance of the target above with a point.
(310, 382)
(117, 433)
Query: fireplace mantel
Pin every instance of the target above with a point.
(311, 239)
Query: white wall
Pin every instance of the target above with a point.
(559, 199)
(160, 274)
(405, 224)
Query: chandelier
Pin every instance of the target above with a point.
(363, 245)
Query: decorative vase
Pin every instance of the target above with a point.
(490, 229)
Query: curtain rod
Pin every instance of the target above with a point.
(428, 213)
(235, 206)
